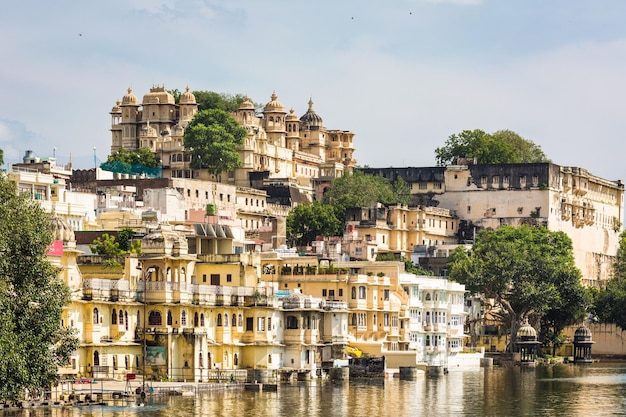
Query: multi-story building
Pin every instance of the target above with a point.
(279, 146)
(569, 199)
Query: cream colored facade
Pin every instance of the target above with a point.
(586, 207)
(279, 145)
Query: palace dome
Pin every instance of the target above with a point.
(311, 118)
(292, 116)
(274, 106)
(116, 108)
(246, 104)
(130, 98)
(187, 97)
(158, 95)
(526, 330)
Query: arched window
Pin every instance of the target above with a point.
(121, 320)
(195, 319)
(234, 320)
(236, 359)
(240, 320)
(96, 319)
(114, 317)
(362, 292)
(169, 317)
(201, 319)
(225, 320)
(126, 319)
(154, 318)
(183, 318)
(115, 362)
(354, 293)
(138, 319)
(96, 358)
(354, 319)
(200, 362)
(427, 298)
(219, 319)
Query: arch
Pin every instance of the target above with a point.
(115, 362)
(219, 319)
(291, 322)
(126, 319)
(121, 317)
(427, 297)
(169, 317)
(234, 324)
(183, 318)
(225, 319)
(362, 292)
(96, 316)
(113, 317)
(240, 320)
(196, 319)
(96, 358)
(200, 361)
(235, 359)
(354, 293)
(154, 318)
(201, 319)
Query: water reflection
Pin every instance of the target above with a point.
(560, 390)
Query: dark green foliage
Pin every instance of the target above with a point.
(501, 147)
(409, 266)
(211, 100)
(610, 300)
(32, 296)
(528, 271)
(142, 156)
(307, 221)
(212, 138)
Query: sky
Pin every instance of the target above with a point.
(403, 75)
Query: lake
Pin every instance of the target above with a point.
(570, 390)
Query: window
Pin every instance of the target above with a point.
(354, 293)
(234, 324)
(291, 322)
(229, 277)
(437, 186)
(183, 318)
(324, 292)
(386, 295)
(423, 186)
(201, 319)
(362, 292)
(196, 319)
(121, 316)
(249, 324)
(96, 316)
(154, 318)
(225, 320)
(114, 317)
(260, 324)
(340, 292)
(169, 317)
(219, 319)
(240, 320)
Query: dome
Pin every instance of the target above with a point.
(116, 108)
(526, 331)
(148, 131)
(158, 95)
(187, 97)
(292, 116)
(130, 98)
(246, 104)
(61, 230)
(274, 106)
(582, 334)
(310, 117)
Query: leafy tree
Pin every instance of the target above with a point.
(357, 189)
(528, 271)
(127, 243)
(306, 222)
(32, 341)
(211, 100)
(610, 300)
(142, 156)
(501, 147)
(1, 157)
(212, 138)
(402, 191)
(106, 245)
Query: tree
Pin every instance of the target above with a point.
(357, 189)
(501, 147)
(32, 341)
(142, 156)
(610, 300)
(208, 100)
(306, 222)
(402, 190)
(529, 272)
(212, 138)
(1, 157)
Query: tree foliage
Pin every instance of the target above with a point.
(108, 245)
(142, 156)
(307, 221)
(212, 138)
(211, 100)
(32, 341)
(1, 157)
(529, 272)
(501, 147)
(357, 189)
(610, 301)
